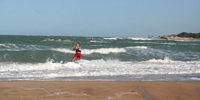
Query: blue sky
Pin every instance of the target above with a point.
(115, 18)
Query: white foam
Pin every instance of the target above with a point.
(21, 47)
(97, 68)
(166, 60)
(90, 51)
(52, 94)
(110, 38)
(3, 45)
(187, 40)
(138, 47)
(195, 78)
(100, 50)
(138, 38)
(168, 43)
(94, 41)
(9, 45)
(64, 50)
(157, 43)
(58, 40)
(49, 65)
(103, 50)
(119, 95)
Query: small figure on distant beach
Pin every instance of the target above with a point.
(77, 49)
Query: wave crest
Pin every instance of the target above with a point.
(90, 51)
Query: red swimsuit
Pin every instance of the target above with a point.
(78, 53)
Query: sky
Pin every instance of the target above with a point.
(112, 18)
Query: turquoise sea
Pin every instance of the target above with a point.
(104, 58)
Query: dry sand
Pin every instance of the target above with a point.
(98, 90)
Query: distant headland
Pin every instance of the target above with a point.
(182, 36)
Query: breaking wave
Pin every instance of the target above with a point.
(51, 69)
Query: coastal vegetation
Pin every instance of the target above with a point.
(183, 36)
(186, 35)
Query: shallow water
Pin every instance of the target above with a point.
(104, 58)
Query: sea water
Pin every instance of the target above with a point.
(104, 59)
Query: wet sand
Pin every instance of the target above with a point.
(98, 90)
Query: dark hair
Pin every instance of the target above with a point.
(78, 43)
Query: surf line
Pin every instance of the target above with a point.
(120, 94)
(50, 94)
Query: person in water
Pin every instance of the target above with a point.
(90, 39)
(77, 49)
(45, 37)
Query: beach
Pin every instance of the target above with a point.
(98, 90)
(99, 50)
(112, 68)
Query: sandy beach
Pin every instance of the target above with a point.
(98, 90)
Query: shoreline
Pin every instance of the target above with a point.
(177, 38)
(99, 90)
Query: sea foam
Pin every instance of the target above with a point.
(97, 68)
(90, 51)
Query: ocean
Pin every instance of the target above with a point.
(104, 59)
